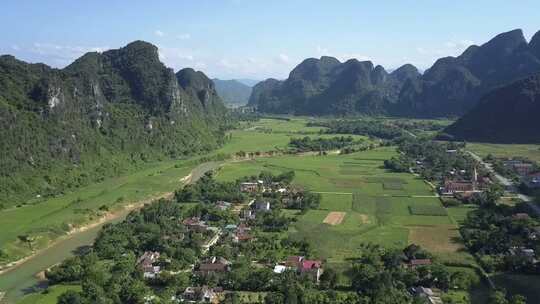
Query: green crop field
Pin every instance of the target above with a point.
(391, 209)
(531, 152)
(377, 204)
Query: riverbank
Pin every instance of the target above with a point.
(20, 278)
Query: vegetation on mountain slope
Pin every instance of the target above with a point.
(103, 114)
(507, 115)
(451, 87)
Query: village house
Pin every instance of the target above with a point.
(214, 265)
(459, 185)
(428, 294)
(146, 263)
(241, 233)
(230, 227)
(520, 216)
(535, 233)
(247, 214)
(223, 205)
(249, 187)
(311, 268)
(203, 294)
(413, 263)
(452, 187)
(195, 224)
(524, 169)
(241, 236)
(262, 206)
(532, 181)
(527, 254)
(520, 167)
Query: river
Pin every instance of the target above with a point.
(22, 279)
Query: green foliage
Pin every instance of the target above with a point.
(368, 127)
(320, 144)
(62, 129)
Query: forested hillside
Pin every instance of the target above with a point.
(102, 115)
(451, 87)
(507, 115)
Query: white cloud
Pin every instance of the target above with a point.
(321, 51)
(184, 36)
(186, 56)
(159, 33)
(227, 64)
(283, 58)
(359, 57)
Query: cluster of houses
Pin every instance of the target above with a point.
(458, 186)
(302, 266)
(260, 186)
(526, 171)
(147, 263)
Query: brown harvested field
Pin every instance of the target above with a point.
(334, 218)
(437, 239)
(364, 218)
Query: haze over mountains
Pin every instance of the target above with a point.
(103, 113)
(451, 87)
(233, 92)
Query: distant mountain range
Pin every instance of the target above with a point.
(507, 115)
(248, 82)
(232, 91)
(451, 87)
(98, 116)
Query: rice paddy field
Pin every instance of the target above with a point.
(369, 204)
(531, 152)
(390, 209)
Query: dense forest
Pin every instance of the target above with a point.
(104, 114)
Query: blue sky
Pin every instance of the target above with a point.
(259, 39)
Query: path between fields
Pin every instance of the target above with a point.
(391, 195)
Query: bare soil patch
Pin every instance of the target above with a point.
(334, 218)
(437, 239)
(364, 218)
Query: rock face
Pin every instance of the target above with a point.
(123, 104)
(452, 86)
(232, 91)
(327, 86)
(506, 115)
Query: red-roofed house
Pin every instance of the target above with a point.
(312, 268)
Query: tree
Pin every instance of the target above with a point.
(518, 299)
(329, 278)
(25, 238)
(497, 297)
(70, 297)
